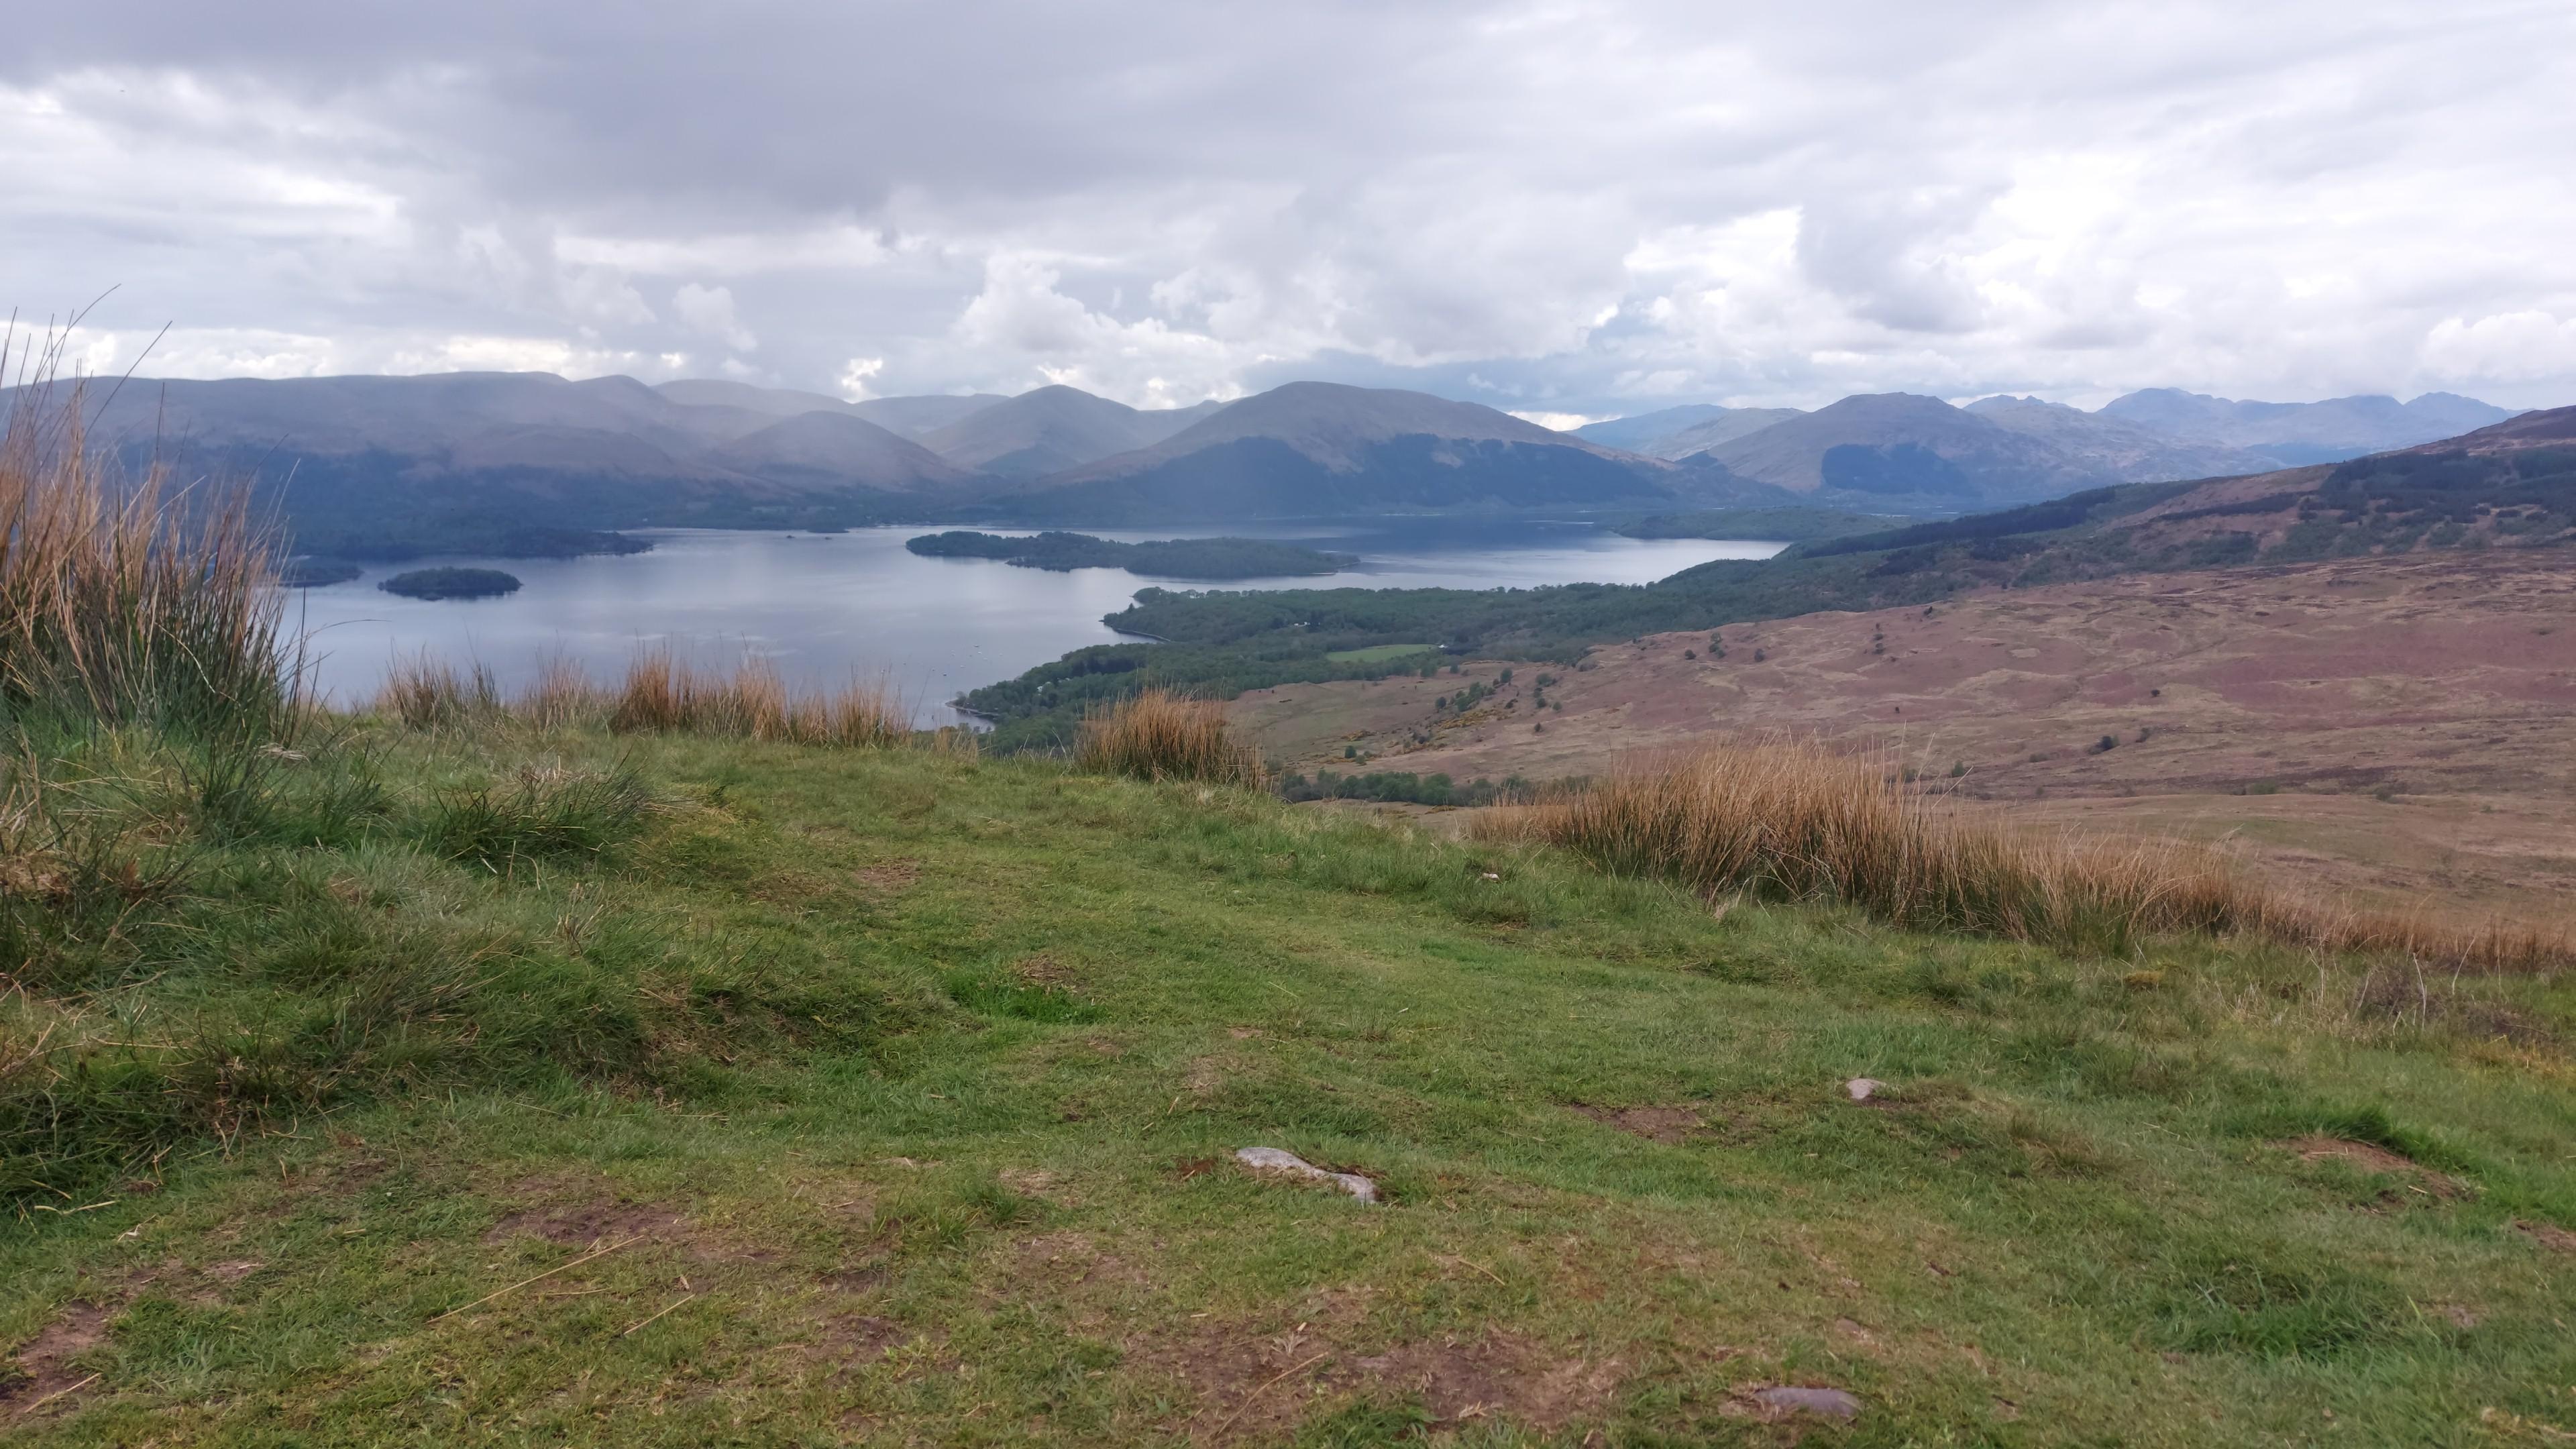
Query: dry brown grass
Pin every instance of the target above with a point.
(426, 693)
(664, 694)
(1796, 821)
(125, 599)
(561, 696)
(1159, 735)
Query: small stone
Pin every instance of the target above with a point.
(1277, 1159)
(1861, 1088)
(1789, 1399)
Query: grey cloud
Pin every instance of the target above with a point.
(1573, 205)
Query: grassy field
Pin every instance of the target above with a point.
(493, 1086)
(690, 1062)
(1377, 653)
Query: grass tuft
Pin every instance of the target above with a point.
(1158, 735)
(1797, 821)
(664, 694)
(545, 811)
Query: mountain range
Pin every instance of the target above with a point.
(383, 465)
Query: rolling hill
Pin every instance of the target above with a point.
(1897, 447)
(1713, 432)
(2294, 433)
(824, 451)
(1313, 449)
(1053, 429)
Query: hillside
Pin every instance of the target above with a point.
(2512, 486)
(2117, 449)
(1314, 449)
(1898, 447)
(684, 1059)
(874, 1094)
(2295, 433)
(1053, 429)
(1713, 432)
(2404, 728)
(822, 451)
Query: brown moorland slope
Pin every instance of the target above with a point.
(2405, 726)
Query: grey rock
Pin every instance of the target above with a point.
(1863, 1088)
(1280, 1160)
(1832, 1403)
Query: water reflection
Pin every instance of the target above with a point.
(830, 606)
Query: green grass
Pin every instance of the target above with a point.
(905, 1087)
(1376, 653)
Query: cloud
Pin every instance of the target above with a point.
(708, 311)
(858, 375)
(1587, 206)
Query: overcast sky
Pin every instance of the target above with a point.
(1558, 208)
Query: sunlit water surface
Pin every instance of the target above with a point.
(829, 607)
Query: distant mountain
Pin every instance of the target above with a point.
(1897, 448)
(2294, 433)
(1701, 437)
(775, 402)
(909, 416)
(1053, 429)
(2121, 450)
(824, 451)
(1635, 432)
(1674, 433)
(914, 416)
(1313, 449)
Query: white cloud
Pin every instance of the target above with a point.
(857, 376)
(2508, 348)
(1588, 207)
(709, 312)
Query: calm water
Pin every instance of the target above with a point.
(827, 606)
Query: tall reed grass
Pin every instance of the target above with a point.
(1796, 821)
(127, 599)
(1158, 735)
(664, 694)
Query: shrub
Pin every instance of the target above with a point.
(1158, 735)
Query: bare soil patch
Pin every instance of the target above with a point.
(888, 877)
(2374, 1159)
(44, 1369)
(2548, 1235)
(1260, 1387)
(591, 1224)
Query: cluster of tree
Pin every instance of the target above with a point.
(451, 583)
(1178, 558)
(1399, 786)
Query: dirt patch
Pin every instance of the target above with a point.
(1043, 972)
(1252, 1385)
(2374, 1159)
(1655, 1124)
(2548, 1235)
(591, 1224)
(45, 1370)
(888, 877)
(860, 1338)
(1039, 1183)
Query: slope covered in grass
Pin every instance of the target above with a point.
(489, 1085)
